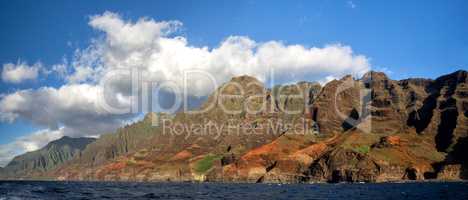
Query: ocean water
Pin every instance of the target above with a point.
(126, 190)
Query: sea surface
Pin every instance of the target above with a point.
(127, 190)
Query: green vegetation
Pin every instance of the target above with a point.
(131, 162)
(243, 114)
(206, 163)
(362, 149)
(386, 155)
(141, 155)
(428, 152)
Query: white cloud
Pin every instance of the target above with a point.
(61, 69)
(27, 143)
(127, 39)
(76, 107)
(147, 45)
(17, 73)
(153, 48)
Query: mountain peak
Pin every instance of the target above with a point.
(150, 116)
(67, 140)
(244, 79)
(374, 75)
(461, 71)
(248, 84)
(460, 76)
(53, 154)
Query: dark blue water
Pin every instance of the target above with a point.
(113, 190)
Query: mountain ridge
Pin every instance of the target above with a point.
(371, 129)
(37, 162)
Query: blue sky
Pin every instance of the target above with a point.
(405, 38)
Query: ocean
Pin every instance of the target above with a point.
(129, 190)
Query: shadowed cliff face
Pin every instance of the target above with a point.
(377, 104)
(373, 103)
(448, 123)
(420, 119)
(368, 129)
(433, 109)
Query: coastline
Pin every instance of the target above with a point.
(240, 182)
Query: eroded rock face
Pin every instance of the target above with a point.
(441, 110)
(340, 165)
(335, 103)
(452, 172)
(373, 103)
(378, 104)
(433, 108)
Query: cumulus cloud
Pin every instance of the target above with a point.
(27, 143)
(77, 107)
(161, 56)
(17, 73)
(150, 47)
(60, 69)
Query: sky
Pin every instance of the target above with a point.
(55, 55)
